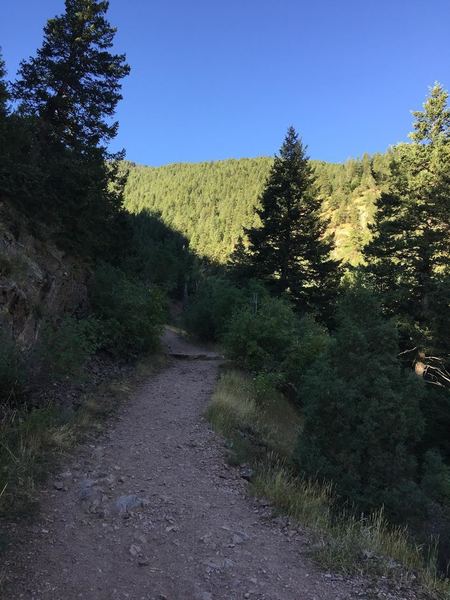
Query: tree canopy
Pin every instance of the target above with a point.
(72, 85)
(288, 250)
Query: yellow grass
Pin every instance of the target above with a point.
(343, 541)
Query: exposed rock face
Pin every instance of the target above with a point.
(36, 280)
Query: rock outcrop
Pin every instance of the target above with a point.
(37, 279)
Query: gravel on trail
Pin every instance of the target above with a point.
(152, 511)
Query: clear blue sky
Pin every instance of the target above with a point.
(216, 79)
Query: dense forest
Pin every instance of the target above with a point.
(327, 284)
(211, 202)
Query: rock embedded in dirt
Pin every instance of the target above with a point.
(125, 504)
(135, 550)
(246, 472)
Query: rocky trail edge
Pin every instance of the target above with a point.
(152, 511)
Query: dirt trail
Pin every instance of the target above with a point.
(194, 532)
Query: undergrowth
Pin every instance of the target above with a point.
(262, 429)
(33, 442)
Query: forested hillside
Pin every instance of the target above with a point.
(211, 202)
(327, 285)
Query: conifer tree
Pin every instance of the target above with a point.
(432, 125)
(238, 265)
(362, 416)
(409, 255)
(69, 92)
(4, 96)
(288, 250)
(73, 83)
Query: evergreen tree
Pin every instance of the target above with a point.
(288, 250)
(409, 255)
(69, 92)
(362, 416)
(73, 83)
(239, 266)
(432, 125)
(4, 96)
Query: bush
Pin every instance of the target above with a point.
(362, 416)
(261, 340)
(436, 477)
(159, 255)
(212, 307)
(11, 370)
(65, 347)
(131, 314)
(306, 351)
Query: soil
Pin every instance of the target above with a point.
(152, 511)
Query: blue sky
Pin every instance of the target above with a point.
(218, 79)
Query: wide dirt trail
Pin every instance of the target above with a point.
(152, 511)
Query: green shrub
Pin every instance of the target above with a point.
(11, 370)
(305, 352)
(5, 266)
(65, 347)
(362, 416)
(261, 340)
(436, 477)
(131, 314)
(212, 307)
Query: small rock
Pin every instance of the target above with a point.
(58, 485)
(125, 504)
(247, 472)
(135, 550)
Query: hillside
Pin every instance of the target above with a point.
(211, 202)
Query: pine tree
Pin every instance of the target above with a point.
(288, 250)
(432, 125)
(4, 95)
(69, 92)
(73, 83)
(409, 255)
(239, 266)
(362, 417)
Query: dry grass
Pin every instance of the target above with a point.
(29, 442)
(343, 541)
(236, 410)
(33, 442)
(308, 503)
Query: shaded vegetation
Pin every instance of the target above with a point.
(263, 434)
(130, 314)
(329, 413)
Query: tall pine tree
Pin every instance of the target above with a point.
(73, 83)
(4, 96)
(409, 255)
(288, 250)
(70, 91)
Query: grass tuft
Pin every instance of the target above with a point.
(263, 431)
(32, 441)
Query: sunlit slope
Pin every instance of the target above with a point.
(211, 202)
